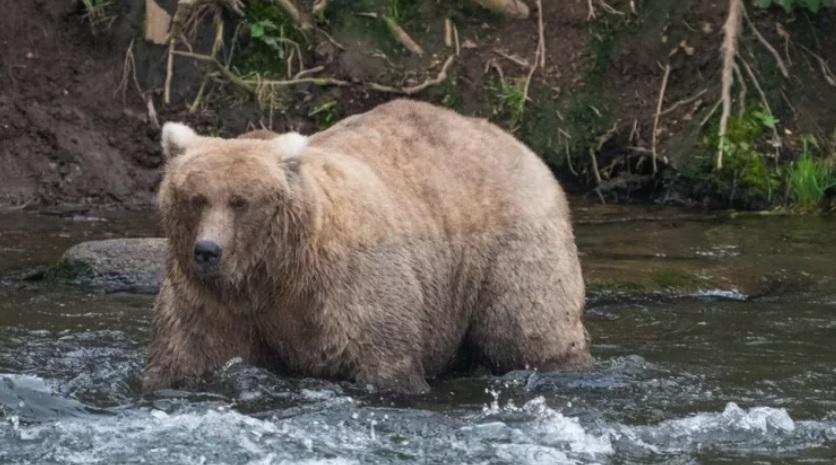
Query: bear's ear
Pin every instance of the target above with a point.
(290, 145)
(177, 137)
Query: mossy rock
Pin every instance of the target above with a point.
(114, 265)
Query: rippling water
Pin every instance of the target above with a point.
(713, 377)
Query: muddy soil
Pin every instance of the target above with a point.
(75, 128)
(65, 135)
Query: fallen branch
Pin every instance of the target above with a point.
(441, 77)
(729, 48)
(659, 113)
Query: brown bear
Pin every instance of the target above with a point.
(375, 251)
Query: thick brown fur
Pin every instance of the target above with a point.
(393, 240)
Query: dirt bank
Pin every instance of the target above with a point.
(75, 127)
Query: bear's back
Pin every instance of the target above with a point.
(466, 170)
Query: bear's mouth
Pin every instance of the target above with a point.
(209, 274)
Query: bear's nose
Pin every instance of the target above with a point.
(207, 252)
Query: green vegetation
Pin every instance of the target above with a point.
(325, 113)
(670, 279)
(276, 46)
(751, 173)
(97, 13)
(507, 97)
(747, 174)
(809, 179)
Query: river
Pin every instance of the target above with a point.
(714, 338)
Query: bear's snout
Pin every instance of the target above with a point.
(207, 255)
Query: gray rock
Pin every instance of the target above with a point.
(114, 265)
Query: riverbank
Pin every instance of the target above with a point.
(82, 96)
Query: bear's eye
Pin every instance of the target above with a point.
(237, 203)
(198, 201)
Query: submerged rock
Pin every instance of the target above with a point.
(114, 265)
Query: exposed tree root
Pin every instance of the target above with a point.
(398, 33)
(412, 90)
(825, 69)
(513, 59)
(732, 30)
(152, 112)
(658, 114)
(741, 98)
(169, 71)
(319, 8)
(301, 19)
(128, 69)
(767, 45)
(776, 138)
(538, 55)
(402, 37)
(686, 101)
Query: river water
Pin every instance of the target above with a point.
(740, 373)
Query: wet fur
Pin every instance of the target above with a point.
(398, 237)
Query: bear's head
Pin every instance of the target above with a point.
(221, 200)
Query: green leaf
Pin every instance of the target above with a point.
(813, 5)
(765, 118)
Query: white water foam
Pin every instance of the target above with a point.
(345, 433)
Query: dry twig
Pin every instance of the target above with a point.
(686, 101)
(514, 59)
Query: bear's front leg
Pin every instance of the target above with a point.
(190, 338)
(391, 372)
